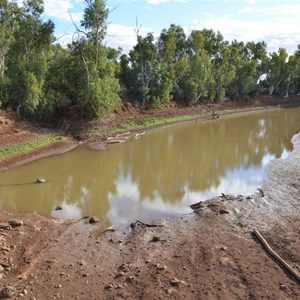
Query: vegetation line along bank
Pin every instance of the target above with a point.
(36, 72)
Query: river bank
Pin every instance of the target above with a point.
(209, 254)
(21, 136)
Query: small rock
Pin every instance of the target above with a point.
(161, 267)
(7, 292)
(5, 265)
(93, 220)
(175, 282)
(130, 279)
(40, 180)
(223, 212)
(109, 286)
(5, 226)
(170, 291)
(124, 268)
(58, 208)
(120, 274)
(15, 223)
(119, 287)
(155, 239)
(1, 269)
(283, 287)
(226, 262)
(5, 248)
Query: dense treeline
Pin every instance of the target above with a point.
(36, 72)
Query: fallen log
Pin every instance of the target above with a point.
(275, 255)
(137, 222)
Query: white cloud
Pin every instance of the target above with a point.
(61, 9)
(283, 32)
(246, 10)
(123, 36)
(252, 2)
(291, 10)
(58, 8)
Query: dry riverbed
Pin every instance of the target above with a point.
(209, 254)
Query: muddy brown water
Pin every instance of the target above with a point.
(158, 175)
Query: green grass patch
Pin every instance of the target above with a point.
(159, 121)
(22, 148)
(131, 125)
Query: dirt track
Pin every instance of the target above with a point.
(210, 254)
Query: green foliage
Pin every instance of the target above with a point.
(201, 66)
(100, 97)
(26, 59)
(97, 91)
(11, 150)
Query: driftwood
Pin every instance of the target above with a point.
(137, 222)
(111, 229)
(123, 137)
(275, 255)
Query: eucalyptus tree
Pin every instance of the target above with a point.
(277, 72)
(172, 61)
(245, 81)
(8, 20)
(196, 82)
(27, 59)
(139, 68)
(223, 72)
(293, 80)
(98, 87)
(9, 23)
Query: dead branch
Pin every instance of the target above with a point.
(275, 255)
(111, 229)
(137, 222)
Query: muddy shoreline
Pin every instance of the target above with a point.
(209, 254)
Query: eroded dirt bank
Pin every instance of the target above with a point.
(210, 254)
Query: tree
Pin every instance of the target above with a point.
(223, 72)
(245, 81)
(195, 83)
(293, 80)
(172, 60)
(98, 89)
(9, 24)
(27, 59)
(277, 72)
(141, 73)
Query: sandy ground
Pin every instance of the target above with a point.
(209, 254)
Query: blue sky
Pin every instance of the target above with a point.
(276, 22)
